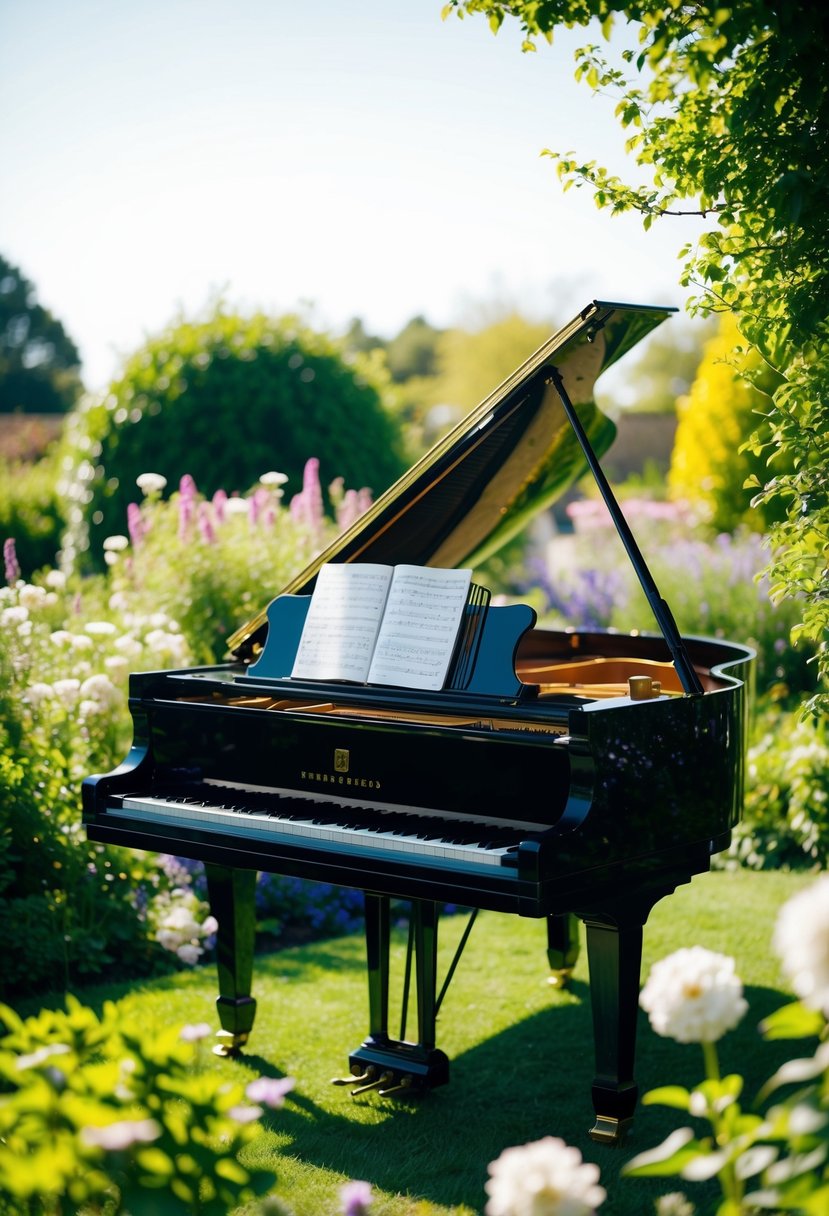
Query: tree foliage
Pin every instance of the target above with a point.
(711, 462)
(727, 110)
(227, 399)
(39, 362)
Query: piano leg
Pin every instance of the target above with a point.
(231, 896)
(614, 951)
(393, 1066)
(562, 948)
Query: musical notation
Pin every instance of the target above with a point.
(382, 624)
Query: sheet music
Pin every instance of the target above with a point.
(343, 618)
(419, 627)
(382, 624)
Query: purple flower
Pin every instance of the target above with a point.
(135, 524)
(206, 529)
(186, 505)
(270, 1091)
(219, 500)
(11, 562)
(355, 1198)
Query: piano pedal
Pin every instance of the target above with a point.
(383, 1079)
(403, 1087)
(229, 1044)
(356, 1077)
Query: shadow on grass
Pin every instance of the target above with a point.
(526, 1082)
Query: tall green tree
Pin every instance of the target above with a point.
(727, 111)
(39, 362)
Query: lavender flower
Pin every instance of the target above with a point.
(11, 562)
(355, 1198)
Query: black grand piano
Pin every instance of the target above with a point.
(567, 776)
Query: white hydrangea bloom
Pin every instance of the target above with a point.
(801, 939)
(100, 689)
(693, 996)
(38, 693)
(67, 691)
(189, 953)
(546, 1178)
(14, 615)
(31, 597)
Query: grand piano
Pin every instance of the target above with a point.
(571, 776)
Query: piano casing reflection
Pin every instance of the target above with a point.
(574, 774)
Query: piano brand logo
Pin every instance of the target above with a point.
(340, 775)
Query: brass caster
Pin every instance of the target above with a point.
(560, 977)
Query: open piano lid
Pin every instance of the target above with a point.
(506, 461)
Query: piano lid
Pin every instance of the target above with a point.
(507, 460)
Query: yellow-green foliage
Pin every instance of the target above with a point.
(724, 407)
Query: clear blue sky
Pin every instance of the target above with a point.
(353, 158)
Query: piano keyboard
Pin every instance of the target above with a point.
(415, 833)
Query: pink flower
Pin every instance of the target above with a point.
(186, 505)
(270, 1091)
(135, 524)
(116, 1137)
(219, 500)
(206, 529)
(11, 562)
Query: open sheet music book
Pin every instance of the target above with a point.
(382, 625)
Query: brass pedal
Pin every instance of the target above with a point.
(356, 1078)
(403, 1087)
(383, 1079)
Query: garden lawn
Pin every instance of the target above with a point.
(521, 1054)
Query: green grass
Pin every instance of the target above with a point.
(521, 1054)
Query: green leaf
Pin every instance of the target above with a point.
(794, 1021)
(668, 1095)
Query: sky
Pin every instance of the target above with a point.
(347, 158)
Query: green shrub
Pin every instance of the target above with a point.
(223, 400)
(785, 822)
(30, 512)
(111, 1115)
(71, 911)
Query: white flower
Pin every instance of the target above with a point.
(101, 690)
(116, 543)
(245, 1114)
(100, 628)
(30, 596)
(116, 1137)
(14, 615)
(693, 996)
(56, 579)
(80, 641)
(189, 953)
(546, 1178)
(237, 506)
(273, 479)
(801, 939)
(151, 483)
(61, 637)
(117, 664)
(128, 645)
(67, 691)
(37, 693)
(118, 601)
(193, 1032)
